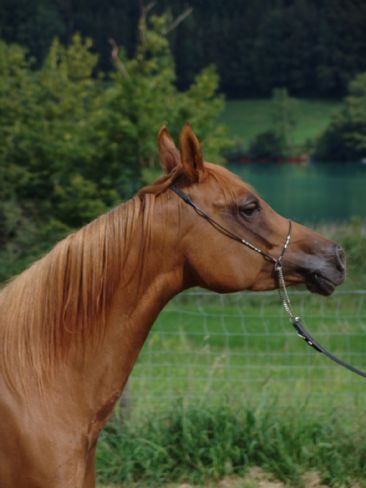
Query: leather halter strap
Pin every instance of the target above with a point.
(276, 261)
(278, 268)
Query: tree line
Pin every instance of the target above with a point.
(311, 47)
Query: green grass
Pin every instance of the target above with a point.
(196, 444)
(247, 118)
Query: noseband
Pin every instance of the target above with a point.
(278, 270)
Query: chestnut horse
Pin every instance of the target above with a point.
(72, 325)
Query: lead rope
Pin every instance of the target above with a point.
(300, 329)
(285, 299)
(282, 291)
(278, 268)
(294, 319)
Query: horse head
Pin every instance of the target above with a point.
(214, 260)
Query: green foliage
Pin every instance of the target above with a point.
(197, 444)
(275, 143)
(74, 144)
(42, 127)
(143, 97)
(345, 138)
(267, 146)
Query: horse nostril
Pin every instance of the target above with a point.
(340, 258)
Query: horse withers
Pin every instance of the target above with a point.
(72, 325)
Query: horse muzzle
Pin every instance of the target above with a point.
(324, 272)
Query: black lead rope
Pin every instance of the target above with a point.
(300, 329)
(295, 320)
(304, 334)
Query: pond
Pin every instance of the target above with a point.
(310, 193)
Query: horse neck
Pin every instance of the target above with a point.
(155, 275)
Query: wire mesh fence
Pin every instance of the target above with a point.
(207, 348)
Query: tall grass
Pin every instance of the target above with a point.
(198, 444)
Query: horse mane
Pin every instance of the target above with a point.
(62, 299)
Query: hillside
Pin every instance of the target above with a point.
(247, 118)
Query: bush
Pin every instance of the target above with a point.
(345, 139)
(267, 147)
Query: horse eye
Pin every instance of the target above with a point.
(249, 209)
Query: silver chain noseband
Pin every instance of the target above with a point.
(278, 268)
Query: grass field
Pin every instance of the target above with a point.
(247, 118)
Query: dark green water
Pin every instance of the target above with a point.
(314, 194)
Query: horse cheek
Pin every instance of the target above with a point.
(224, 271)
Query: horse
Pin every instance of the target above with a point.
(73, 323)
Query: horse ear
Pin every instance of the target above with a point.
(169, 154)
(190, 153)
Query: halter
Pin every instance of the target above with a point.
(278, 269)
